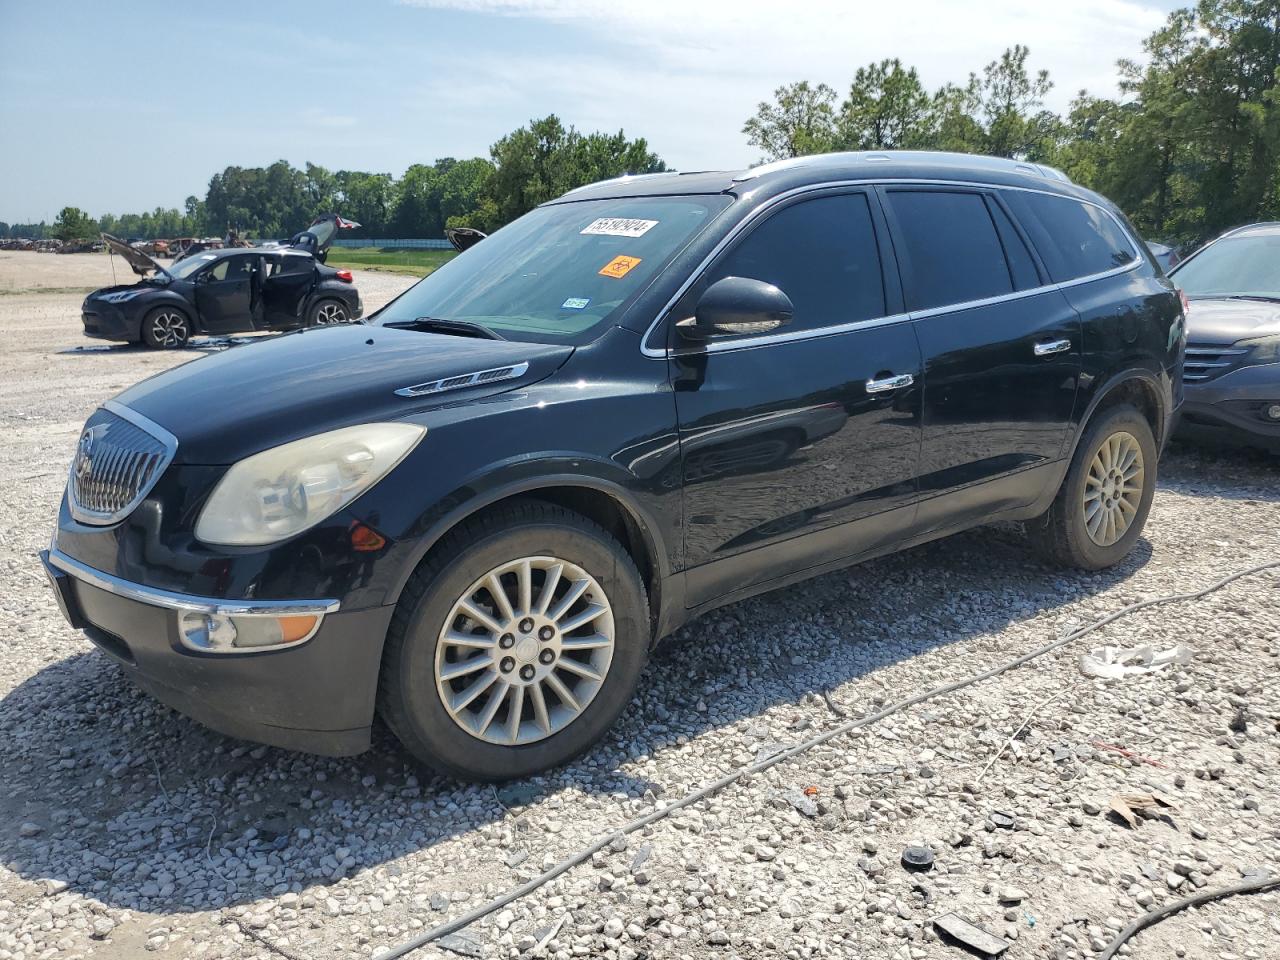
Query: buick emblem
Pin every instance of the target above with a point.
(84, 456)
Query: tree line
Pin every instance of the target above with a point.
(1189, 148)
(526, 167)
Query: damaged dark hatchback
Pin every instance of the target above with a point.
(475, 514)
(235, 290)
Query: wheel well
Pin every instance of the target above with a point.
(1140, 394)
(603, 509)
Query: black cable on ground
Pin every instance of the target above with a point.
(471, 916)
(1155, 916)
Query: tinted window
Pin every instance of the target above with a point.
(233, 268)
(1021, 266)
(822, 254)
(951, 248)
(1075, 239)
(293, 263)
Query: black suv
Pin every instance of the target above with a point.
(475, 513)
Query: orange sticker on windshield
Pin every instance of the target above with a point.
(619, 267)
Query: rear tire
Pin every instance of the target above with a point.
(166, 328)
(558, 686)
(327, 312)
(1102, 506)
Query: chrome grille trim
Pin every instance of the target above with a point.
(446, 384)
(120, 456)
(1206, 361)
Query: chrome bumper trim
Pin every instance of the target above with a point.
(185, 602)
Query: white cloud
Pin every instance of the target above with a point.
(687, 73)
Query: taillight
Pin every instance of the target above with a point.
(345, 276)
(1186, 304)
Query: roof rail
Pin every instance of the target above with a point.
(940, 157)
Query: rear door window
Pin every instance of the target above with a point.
(822, 254)
(1075, 239)
(949, 247)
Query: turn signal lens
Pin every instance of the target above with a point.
(216, 633)
(365, 539)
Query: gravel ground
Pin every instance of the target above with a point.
(125, 828)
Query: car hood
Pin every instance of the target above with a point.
(233, 404)
(1228, 321)
(142, 264)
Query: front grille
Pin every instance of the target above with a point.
(117, 463)
(1206, 361)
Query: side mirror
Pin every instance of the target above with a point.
(736, 306)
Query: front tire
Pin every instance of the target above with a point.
(325, 313)
(166, 328)
(1102, 506)
(516, 646)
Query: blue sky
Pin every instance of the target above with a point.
(122, 107)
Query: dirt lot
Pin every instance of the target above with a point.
(125, 828)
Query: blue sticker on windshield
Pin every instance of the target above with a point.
(575, 303)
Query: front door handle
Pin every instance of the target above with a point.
(1049, 348)
(889, 384)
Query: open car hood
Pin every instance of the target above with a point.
(142, 264)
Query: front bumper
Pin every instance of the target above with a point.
(316, 697)
(107, 321)
(1232, 408)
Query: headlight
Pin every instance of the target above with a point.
(1262, 350)
(287, 489)
(120, 297)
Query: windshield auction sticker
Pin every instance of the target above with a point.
(619, 267)
(619, 227)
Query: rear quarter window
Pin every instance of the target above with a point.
(1075, 239)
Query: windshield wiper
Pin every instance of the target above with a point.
(457, 328)
(1252, 296)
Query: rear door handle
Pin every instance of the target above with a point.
(1049, 348)
(889, 384)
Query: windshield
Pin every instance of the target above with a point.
(185, 268)
(1235, 267)
(559, 273)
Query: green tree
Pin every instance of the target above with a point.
(800, 119)
(545, 159)
(72, 223)
(887, 109)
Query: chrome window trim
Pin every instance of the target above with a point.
(185, 602)
(146, 425)
(662, 353)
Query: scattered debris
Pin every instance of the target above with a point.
(1001, 820)
(1260, 880)
(970, 935)
(1011, 895)
(462, 943)
(1113, 663)
(1125, 752)
(917, 858)
(1126, 805)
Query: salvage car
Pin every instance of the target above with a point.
(1233, 338)
(221, 292)
(476, 513)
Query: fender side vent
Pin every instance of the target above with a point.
(433, 387)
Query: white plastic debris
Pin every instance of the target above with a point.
(1112, 663)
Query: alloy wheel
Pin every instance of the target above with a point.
(524, 650)
(169, 328)
(1113, 488)
(328, 313)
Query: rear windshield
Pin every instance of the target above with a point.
(561, 273)
(1235, 267)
